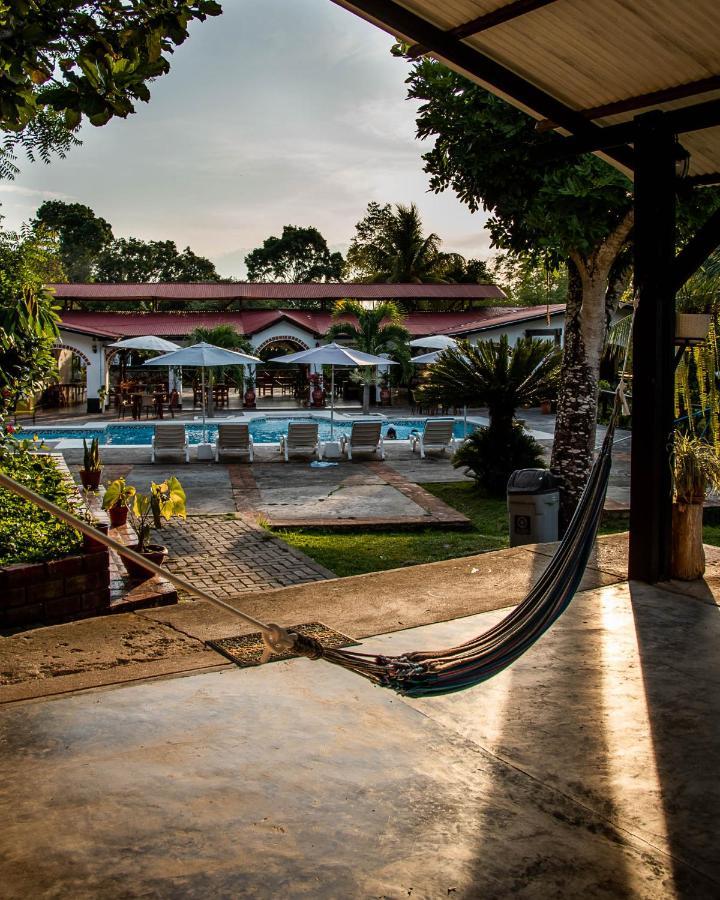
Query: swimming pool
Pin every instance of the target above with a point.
(263, 430)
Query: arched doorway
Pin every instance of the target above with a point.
(281, 379)
(70, 387)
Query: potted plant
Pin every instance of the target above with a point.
(118, 498)
(250, 396)
(694, 303)
(696, 471)
(385, 393)
(318, 394)
(164, 501)
(92, 467)
(102, 396)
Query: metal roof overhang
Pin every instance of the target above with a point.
(580, 66)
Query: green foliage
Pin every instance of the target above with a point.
(529, 281)
(82, 235)
(492, 454)
(43, 136)
(164, 501)
(28, 318)
(228, 338)
(28, 534)
(389, 246)
(695, 468)
(118, 493)
(91, 456)
(87, 59)
(299, 255)
(136, 261)
(493, 374)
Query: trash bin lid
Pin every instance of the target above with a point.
(532, 481)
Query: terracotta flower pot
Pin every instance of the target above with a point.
(546, 407)
(249, 399)
(92, 546)
(688, 553)
(90, 479)
(154, 552)
(118, 515)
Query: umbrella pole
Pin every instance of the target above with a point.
(332, 400)
(202, 376)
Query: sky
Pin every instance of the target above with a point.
(278, 112)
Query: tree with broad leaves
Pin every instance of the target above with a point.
(87, 59)
(136, 261)
(577, 211)
(377, 330)
(299, 256)
(81, 233)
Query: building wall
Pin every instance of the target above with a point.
(520, 329)
(92, 352)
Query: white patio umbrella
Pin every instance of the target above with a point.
(427, 359)
(334, 355)
(203, 356)
(434, 342)
(145, 342)
(142, 342)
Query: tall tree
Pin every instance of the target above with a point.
(82, 58)
(28, 318)
(299, 255)
(377, 330)
(42, 137)
(530, 281)
(133, 260)
(578, 211)
(82, 235)
(390, 246)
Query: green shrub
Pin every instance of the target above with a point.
(493, 454)
(28, 534)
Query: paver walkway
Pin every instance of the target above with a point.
(230, 556)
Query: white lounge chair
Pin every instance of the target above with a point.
(437, 436)
(365, 437)
(169, 440)
(234, 440)
(301, 438)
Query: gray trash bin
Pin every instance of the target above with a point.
(533, 500)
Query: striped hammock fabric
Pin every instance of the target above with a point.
(428, 672)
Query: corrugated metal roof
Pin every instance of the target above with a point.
(588, 53)
(267, 291)
(253, 321)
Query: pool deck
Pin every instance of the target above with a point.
(588, 769)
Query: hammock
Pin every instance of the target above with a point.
(428, 672)
(425, 672)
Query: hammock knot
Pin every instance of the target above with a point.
(307, 646)
(278, 640)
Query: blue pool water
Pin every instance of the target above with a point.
(264, 431)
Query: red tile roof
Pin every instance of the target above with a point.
(251, 321)
(265, 291)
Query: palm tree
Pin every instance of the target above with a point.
(377, 330)
(501, 377)
(391, 248)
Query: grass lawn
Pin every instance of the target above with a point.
(355, 552)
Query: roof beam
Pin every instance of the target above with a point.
(678, 121)
(506, 13)
(402, 22)
(708, 179)
(642, 101)
(704, 242)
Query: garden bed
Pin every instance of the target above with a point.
(47, 575)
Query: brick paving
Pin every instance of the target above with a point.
(229, 556)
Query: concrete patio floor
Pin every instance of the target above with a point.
(586, 770)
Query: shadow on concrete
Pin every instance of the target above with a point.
(678, 638)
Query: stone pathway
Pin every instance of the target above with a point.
(228, 556)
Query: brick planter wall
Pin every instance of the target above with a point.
(56, 591)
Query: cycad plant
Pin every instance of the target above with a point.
(228, 338)
(372, 330)
(502, 378)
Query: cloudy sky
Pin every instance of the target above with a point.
(277, 112)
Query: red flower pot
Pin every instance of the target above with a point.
(118, 515)
(90, 480)
(154, 552)
(90, 545)
(249, 399)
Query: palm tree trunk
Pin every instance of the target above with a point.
(366, 398)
